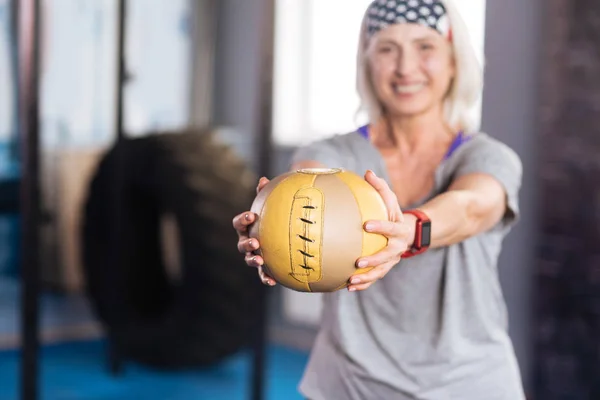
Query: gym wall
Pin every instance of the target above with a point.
(511, 113)
(567, 266)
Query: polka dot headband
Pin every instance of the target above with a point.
(431, 13)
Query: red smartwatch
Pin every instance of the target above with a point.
(422, 234)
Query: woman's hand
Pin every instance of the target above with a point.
(398, 233)
(247, 245)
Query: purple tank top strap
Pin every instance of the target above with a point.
(459, 140)
(456, 143)
(364, 131)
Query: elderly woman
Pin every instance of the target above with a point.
(429, 321)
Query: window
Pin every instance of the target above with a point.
(79, 71)
(314, 82)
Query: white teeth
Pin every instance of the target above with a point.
(408, 89)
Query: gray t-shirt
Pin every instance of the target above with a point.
(435, 327)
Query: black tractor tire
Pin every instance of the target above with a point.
(207, 314)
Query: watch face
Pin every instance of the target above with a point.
(425, 234)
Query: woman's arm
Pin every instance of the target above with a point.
(473, 204)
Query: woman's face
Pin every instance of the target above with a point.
(411, 68)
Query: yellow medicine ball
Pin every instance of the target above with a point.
(310, 227)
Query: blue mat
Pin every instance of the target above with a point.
(77, 371)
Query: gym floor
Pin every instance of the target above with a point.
(73, 361)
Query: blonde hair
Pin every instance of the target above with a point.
(465, 88)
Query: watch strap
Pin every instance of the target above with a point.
(422, 234)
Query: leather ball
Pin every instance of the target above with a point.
(310, 227)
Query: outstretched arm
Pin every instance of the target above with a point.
(473, 204)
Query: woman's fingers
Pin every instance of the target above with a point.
(388, 229)
(386, 255)
(261, 184)
(397, 234)
(257, 261)
(365, 279)
(253, 260)
(267, 280)
(248, 245)
(389, 197)
(241, 222)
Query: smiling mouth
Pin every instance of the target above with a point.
(408, 89)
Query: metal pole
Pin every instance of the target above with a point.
(115, 356)
(14, 66)
(121, 69)
(265, 153)
(200, 110)
(28, 15)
